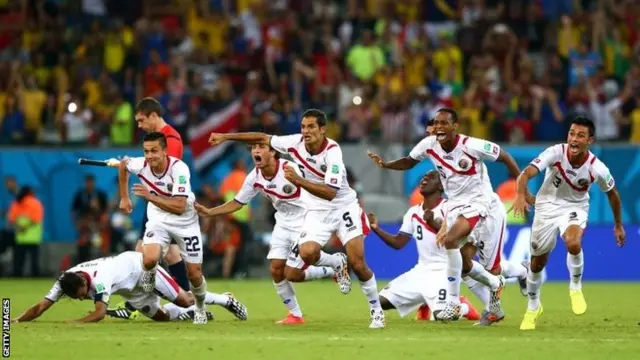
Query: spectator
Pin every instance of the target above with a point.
(7, 234)
(89, 210)
(26, 216)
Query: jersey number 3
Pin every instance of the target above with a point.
(192, 244)
(557, 181)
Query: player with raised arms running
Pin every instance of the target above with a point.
(148, 115)
(459, 161)
(562, 207)
(268, 179)
(166, 186)
(101, 278)
(332, 206)
(426, 282)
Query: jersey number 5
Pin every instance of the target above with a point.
(348, 222)
(192, 244)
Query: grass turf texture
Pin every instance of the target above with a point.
(336, 328)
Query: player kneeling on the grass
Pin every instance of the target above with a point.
(427, 281)
(120, 275)
(562, 207)
(268, 179)
(172, 217)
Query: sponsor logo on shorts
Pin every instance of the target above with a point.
(323, 167)
(149, 234)
(534, 246)
(303, 234)
(288, 189)
(181, 189)
(334, 180)
(583, 182)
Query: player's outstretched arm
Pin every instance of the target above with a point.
(248, 137)
(123, 183)
(397, 241)
(404, 163)
(224, 209)
(175, 204)
(35, 311)
(616, 208)
(521, 204)
(97, 315)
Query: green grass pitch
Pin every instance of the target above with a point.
(336, 328)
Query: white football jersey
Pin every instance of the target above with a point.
(106, 276)
(326, 167)
(285, 197)
(462, 171)
(565, 185)
(429, 254)
(175, 181)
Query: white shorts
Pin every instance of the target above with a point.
(348, 222)
(475, 214)
(416, 287)
(488, 237)
(282, 242)
(188, 239)
(149, 303)
(545, 229)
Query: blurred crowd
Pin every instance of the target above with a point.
(70, 70)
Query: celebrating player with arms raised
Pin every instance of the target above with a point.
(332, 205)
(562, 206)
(268, 178)
(427, 281)
(459, 161)
(172, 217)
(101, 278)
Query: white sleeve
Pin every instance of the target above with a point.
(247, 191)
(336, 171)
(103, 283)
(419, 152)
(547, 157)
(603, 176)
(407, 224)
(482, 149)
(283, 143)
(55, 293)
(135, 165)
(181, 179)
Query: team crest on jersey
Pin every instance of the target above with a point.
(323, 167)
(583, 182)
(288, 189)
(464, 164)
(170, 187)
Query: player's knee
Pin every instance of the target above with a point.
(173, 256)
(536, 265)
(310, 253)
(185, 300)
(149, 261)
(277, 271)
(574, 245)
(293, 275)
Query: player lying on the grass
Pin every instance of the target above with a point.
(473, 225)
(562, 207)
(172, 218)
(332, 207)
(101, 278)
(268, 179)
(426, 282)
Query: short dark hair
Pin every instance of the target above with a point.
(321, 117)
(149, 105)
(583, 120)
(450, 111)
(71, 282)
(430, 122)
(156, 136)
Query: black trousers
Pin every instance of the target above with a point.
(20, 255)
